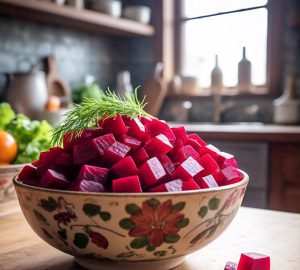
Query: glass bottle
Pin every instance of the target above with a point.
(244, 74)
(216, 77)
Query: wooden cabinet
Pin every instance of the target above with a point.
(253, 159)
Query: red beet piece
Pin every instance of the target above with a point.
(125, 167)
(176, 185)
(116, 152)
(69, 141)
(83, 153)
(48, 160)
(127, 184)
(186, 151)
(156, 127)
(140, 156)
(230, 175)
(159, 145)
(132, 142)
(145, 119)
(53, 179)
(102, 143)
(176, 145)
(136, 128)
(224, 159)
(167, 163)
(208, 181)
(188, 169)
(86, 186)
(93, 173)
(211, 150)
(179, 132)
(196, 138)
(230, 266)
(29, 175)
(254, 261)
(113, 125)
(151, 172)
(209, 164)
(64, 159)
(193, 143)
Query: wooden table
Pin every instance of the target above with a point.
(276, 234)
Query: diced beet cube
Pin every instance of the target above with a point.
(91, 133)
(193, 143)
(132, 142)
(136, 128)
(127, 184)
(188, 169)
(65, 159)
(196, 138)
(116, 152)
(151, 172)
(156, 127)
(230, 266)
(28, 175)
(102, 143)
(176, 145)
(208, 181)
(167, 164)
(211, 150)
(140, 156)
(209, 164)
(169, 134)
(145, 119)
(93, 173)
(186, 151)
(69, 140)
(254, 261)
(176, 185)
(224, 159)
(230, 175)
(36, 163)
(113, 125)
(125, 167)
(159, 145)
(83, 153)
(48, 160)
(86, 186)
(53, 179)
(179, 132)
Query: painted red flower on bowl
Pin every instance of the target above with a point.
(154, 223)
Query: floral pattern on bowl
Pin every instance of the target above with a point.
(132, 229)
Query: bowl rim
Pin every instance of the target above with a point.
(13, 166)
(245, 180)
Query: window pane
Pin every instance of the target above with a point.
(193, 8)
(226, 35)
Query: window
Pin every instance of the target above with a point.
(217, 27)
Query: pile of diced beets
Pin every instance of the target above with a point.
(127, 154)
(250, 261)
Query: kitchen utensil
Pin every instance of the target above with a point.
(55, 84)
(27, 92)
(155, 91)
(138, 13)
(286, 107)
(111, 7)
(130, 231)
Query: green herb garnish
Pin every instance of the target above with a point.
(90, 111)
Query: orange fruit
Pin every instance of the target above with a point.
(8, 147)
(53, 104)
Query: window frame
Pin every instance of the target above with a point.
(274, 71)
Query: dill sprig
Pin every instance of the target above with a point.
(90, 111)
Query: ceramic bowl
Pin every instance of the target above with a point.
(140, 14)
(7, 191)
(130, 231)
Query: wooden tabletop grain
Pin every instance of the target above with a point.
(276, 234)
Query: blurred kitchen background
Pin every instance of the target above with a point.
(228, 70)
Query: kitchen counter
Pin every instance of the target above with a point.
(273, 233)
(244, 131)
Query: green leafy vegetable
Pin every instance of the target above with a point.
(90, 111)
(6, 114)
(92, 91)
(32, 137)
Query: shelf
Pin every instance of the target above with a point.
(86, 20)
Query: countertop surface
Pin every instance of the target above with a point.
(276, 234)
(244, 131)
